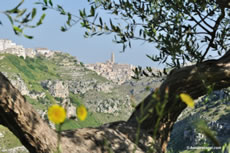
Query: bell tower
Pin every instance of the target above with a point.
(112, 58)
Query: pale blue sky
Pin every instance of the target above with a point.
(90, 50)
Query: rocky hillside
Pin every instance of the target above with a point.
(62, 79)
(214, 110)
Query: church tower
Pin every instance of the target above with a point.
(112, 58)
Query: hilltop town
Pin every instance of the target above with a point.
(118, 73)
(7, 46)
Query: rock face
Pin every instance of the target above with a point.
(56, 88)
(36, 95)
(20, 149)
(70, 109)
(214, 110)
(197, 138)
(110, 105)
(18, 83)
(68, 83)
(81, 87)
(118, 73)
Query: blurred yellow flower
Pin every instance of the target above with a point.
(187, 100)
(81, 112)
(56, 114)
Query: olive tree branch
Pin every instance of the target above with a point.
(213, 33)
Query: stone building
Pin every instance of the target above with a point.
(44, 52)
(118, 73)
(112, 58)
(30, 52)
(7, 46)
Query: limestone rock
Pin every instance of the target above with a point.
(110, 105)
(18, 83)
(36, 95)
(104, 87)
(20, 149)
(81, 87)
(56, 88)
(70, 109)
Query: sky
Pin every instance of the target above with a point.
(86, 50)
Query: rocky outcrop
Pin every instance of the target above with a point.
(110, 105)
(213, 109)
(196, 138)
(35, 95)
(69, 107)
(104, 87)
(56, 88)
(81, 87)
(20, 149)
(17, 82)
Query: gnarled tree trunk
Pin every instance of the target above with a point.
(192, 80)
(37, 136)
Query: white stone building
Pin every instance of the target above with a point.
(30, 52)
(44, 51)
(7, 46)
(5, 43)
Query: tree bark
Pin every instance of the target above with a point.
(192, 80)
(35, 134)
(38, 137)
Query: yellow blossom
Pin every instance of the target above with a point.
(81, 112)
(187, 99)
(56, 114)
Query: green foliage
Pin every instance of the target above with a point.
(217, 111)
(50, 98)
(17, 63)
(75, 99)
(173, 27)
(203, 128)
(36, 104)
(59, 99)
(29, 67)
(82, 64)
(9, 140)
(90, 121)
(21, 18)
(182, 31)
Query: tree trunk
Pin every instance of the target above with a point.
(20, 118)
(38, 137)
(192, 80)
